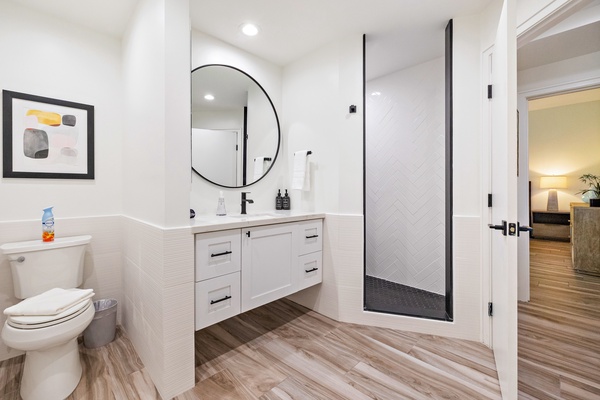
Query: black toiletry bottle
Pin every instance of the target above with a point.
(278, 200)
(286, 201)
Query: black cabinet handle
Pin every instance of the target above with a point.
(312, 236)
(310, 270)
(248, 233)
(221, 254)
(220, 300)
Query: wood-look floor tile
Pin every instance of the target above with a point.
(293, 388)
(11, 371)
(221, 386)
(559, 329)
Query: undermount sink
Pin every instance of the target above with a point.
(253, 216)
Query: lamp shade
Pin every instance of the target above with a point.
(553, 182)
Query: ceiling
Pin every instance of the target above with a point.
(575, 36)
(289, 29)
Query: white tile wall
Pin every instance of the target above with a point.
(158, 291)
(405, 177)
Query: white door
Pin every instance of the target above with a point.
(503, 252)
(215, 155)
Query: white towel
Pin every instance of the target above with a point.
(51, 302)
(259, 167)
(301, 175)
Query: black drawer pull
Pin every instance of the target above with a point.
(310, 270)
(312, 236)
(220, 300)
(221, 254)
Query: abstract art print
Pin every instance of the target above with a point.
(46, 138)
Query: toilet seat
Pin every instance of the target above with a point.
(42, 321)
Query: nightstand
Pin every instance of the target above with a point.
(554, 225)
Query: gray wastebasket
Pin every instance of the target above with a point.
(103, 327)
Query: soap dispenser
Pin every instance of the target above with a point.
(221, 205)
(279, 200)
(286, 201)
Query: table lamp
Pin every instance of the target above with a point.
(553, 183)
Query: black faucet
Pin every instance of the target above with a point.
(244, 201)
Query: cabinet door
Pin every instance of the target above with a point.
(269, 257)
(217, 253)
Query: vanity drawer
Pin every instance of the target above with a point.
(217, 253)
(311, 269)
(310, 236)
(217, 299)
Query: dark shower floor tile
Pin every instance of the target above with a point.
(391, 297)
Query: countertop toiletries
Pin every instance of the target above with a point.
(286, 201)
(48, 225)
(221, 205)
(279, 200)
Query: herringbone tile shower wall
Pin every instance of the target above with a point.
(405, 177)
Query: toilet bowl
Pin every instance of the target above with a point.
(52, 367)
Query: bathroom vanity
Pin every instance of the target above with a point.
(243, 262)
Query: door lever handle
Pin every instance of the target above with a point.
(523, 228)
(502, 227)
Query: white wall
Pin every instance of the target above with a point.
(158, 272)
(48, 57)
(323, 123)
(405, 195)
(203, 195)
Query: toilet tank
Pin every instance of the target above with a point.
(38, 266)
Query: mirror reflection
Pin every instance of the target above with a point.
(235, 129)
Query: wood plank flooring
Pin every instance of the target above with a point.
(284, 351)
(559, 329)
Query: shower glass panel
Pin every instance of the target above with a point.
(408, 178)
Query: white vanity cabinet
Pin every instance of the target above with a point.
(241, 269)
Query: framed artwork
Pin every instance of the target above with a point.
(46, 138)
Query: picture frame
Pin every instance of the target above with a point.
(46, 138)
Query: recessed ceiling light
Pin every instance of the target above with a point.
(249, 29)
(209, 97)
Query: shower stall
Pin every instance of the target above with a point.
(408, 183)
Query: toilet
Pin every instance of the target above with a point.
(52, 366)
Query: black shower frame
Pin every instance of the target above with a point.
(448, 314)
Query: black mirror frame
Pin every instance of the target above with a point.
(276, 120)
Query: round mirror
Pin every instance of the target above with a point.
(235, 128)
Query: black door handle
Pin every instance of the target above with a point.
(523, 229)
(502, 227)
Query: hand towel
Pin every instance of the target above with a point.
(51, 302)
(301, 174)
(259, 167)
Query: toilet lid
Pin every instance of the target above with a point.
(42, 321)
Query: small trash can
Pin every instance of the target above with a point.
(101, 331)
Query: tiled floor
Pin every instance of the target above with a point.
(391, 297)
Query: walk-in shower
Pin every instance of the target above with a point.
(408, 174)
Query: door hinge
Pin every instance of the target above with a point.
(489, 91)
(489, 200)
(490, 309)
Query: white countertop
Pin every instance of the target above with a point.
(212, 223)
